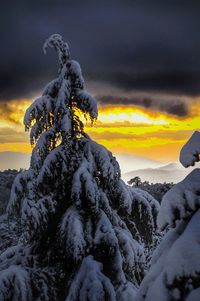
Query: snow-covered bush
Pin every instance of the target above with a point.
(175, 266)
(84, 229)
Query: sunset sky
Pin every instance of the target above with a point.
(140, 59)
(124, 129)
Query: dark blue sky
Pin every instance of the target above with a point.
(149, 46)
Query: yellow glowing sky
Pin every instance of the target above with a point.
(122, 129)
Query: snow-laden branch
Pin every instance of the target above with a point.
(180, 201)
(62, 48)
(189, 153)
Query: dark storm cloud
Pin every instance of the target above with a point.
(173, 107)
(133, 45)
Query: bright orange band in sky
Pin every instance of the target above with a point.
(122, 129)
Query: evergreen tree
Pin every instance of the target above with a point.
(81, 226)
(136, 181)
(175, 270)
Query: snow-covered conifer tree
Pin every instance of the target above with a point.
(175, 269)
(81, 225)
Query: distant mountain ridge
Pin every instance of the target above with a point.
(14, 160)
(172, 172)
(132, 162)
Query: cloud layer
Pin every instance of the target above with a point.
(175, 107)
(133, 45)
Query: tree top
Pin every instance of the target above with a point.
(56, 41)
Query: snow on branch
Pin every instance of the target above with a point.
(58, 158)
(76, 75)
(180, 201)
(17, 278)
(84, 186)
(107, 165)
(55, 41)
(132, 253)
(35, 215)
(90, 284)
(20, 277)
(175, 265)
(51, 89)
(18, 192)
(15, 255)
(72, 232)
(39, 109)
(87, 104)
(105, 233)
(190, 151)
